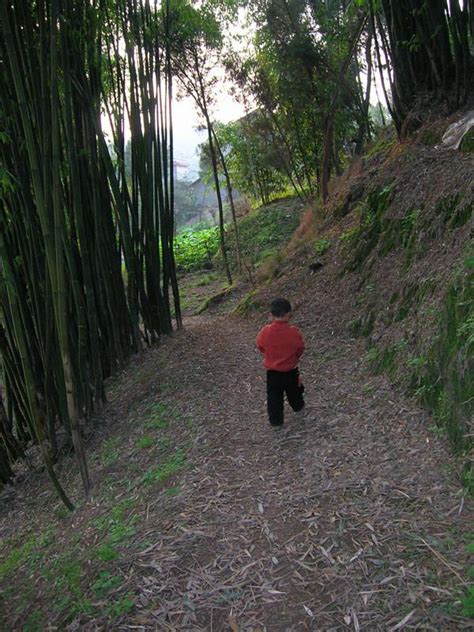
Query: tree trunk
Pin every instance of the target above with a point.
(219, 199)
(330, 116)
(231, 201)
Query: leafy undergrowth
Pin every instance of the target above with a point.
(262, 234)
(195, 249)
(265, 231)
(78, 564)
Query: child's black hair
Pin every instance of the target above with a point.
(280, 307)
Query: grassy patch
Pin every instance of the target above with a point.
(215, 299)
(381, 145)
(467, 600)
(160, 473)
(364, 325)
(372, 224)
(157, 417)
(107, 553)
(105, 583)
(174, 491)
(30, 553)
(261, 233)
(116, 527)
(145, 442)
(445, 378)
(383, 361)
(110, 452)
(120, 606)
(204, 279)
(430, 136)
(441, 375)
(321, 246)
(64, 576)
(36, 621)
(264, 231)
(80, 576)
(467, 143)
(17, 558)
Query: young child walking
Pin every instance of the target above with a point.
(282, 346)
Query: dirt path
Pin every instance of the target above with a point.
(351, 518)
(347, 519)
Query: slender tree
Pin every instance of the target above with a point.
(194, 45)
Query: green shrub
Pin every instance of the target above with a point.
(195, 249)
(350, 235)
(322, 246)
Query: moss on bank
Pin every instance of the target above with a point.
(445, 382)
(442, 372)
(442, 377)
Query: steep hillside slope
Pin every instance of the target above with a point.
(396, 248)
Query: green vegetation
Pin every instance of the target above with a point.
(247, 304)
(35, 622)
(364, 325)
(442, 375)
(215, 299)
(379, 232)
(107, 553)
(145, 442)
(429, 136)
(78, 219)
(81, 575)
(17, 557)
(110, 451)
(195, 249)
(87, 230)
(120, 606)
(383, 360)
(157, 417)
(160, 473)
(322, 245)
(381, 145)
(467, 143)
(467, 600)
(365, 237)
(266, 230)
(104, 584)
(438, 380)
(262, 234)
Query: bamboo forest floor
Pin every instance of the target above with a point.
(203, 517)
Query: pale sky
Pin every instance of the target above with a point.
(186, 119)
(187, 138)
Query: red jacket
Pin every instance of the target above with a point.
(281, 344)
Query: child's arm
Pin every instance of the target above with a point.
(299, 345)
(259, 342)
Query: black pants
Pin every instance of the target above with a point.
(279, 383)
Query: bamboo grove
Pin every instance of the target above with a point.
(87, 273)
